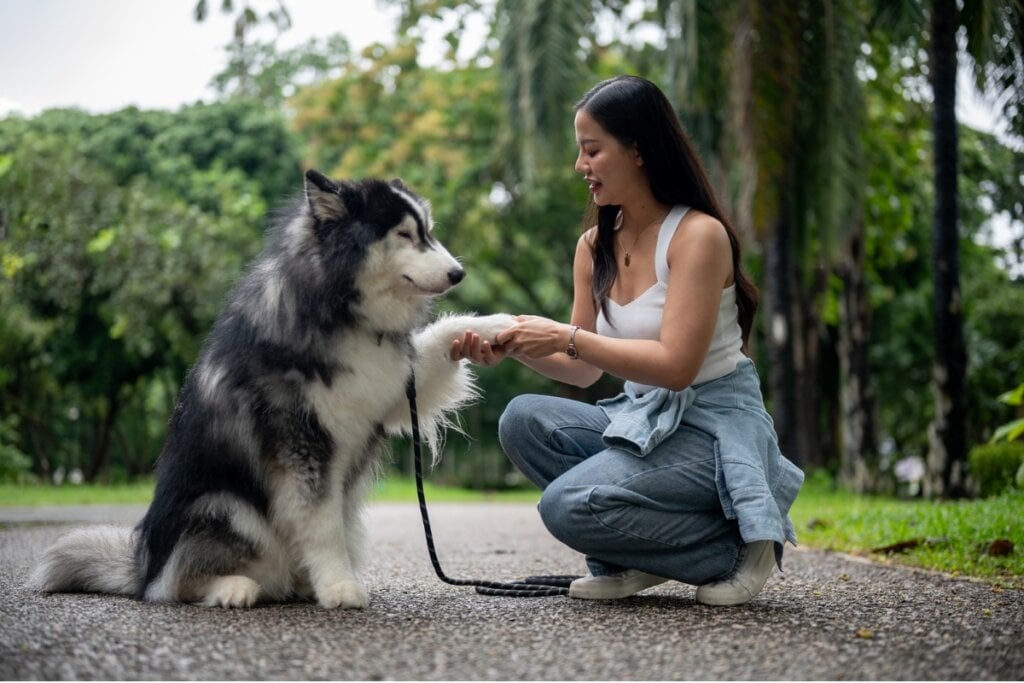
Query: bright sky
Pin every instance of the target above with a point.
(103, 55)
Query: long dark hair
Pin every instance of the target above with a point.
(635, 111)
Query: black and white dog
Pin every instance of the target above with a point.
(279, 426)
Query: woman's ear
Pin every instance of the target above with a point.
(636, 154)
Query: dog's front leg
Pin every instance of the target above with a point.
(322, 543)
(443, 385)
(327, 558)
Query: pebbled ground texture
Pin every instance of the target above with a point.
(828, 617)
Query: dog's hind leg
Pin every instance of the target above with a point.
(227, 557)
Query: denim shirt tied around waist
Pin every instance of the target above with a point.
(756, 483)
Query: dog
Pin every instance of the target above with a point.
(280, 425)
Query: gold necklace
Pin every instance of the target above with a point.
(636, 239)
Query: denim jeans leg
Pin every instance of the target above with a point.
(660, 514)
(546, 436)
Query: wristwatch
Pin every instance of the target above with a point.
(571, 351)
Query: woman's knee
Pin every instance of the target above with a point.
(565, 512)
(516, 421)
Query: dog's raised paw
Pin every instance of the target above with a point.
(344, 594)
(231, 591)
(489, 326)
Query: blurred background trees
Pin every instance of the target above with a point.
(121, 233)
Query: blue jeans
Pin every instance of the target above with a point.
(660, 514)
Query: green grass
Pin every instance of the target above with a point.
(391, 490)
(953, 535)
(404, 491)
(32, 495)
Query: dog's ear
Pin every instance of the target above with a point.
(398, 184)
(329, 200)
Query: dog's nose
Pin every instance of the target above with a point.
(455, 275)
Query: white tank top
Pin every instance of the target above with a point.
(641, 317)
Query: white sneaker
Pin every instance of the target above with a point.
(748, 580)
(613, 586)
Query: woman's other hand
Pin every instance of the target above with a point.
(476, 350)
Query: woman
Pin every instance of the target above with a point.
(679, 477)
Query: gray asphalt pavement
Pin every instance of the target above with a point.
(828, 617)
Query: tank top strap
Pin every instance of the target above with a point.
(665, 234)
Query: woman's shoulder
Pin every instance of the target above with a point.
(695, 226)
(701, 241)
(588, 239)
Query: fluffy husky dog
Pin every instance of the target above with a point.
(280, 423)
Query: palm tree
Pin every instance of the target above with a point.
(801, 107)
(947, 451)
(543, 72)
(768, 91)
(995, 31)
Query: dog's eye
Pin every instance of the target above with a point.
(406, 235)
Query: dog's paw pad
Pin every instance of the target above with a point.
(345, 594)
(231, 591)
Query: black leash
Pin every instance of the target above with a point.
(530, 587)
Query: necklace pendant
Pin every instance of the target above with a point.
(626, 260)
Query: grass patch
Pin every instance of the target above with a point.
(391, 490)
(39, 495)
(950, 536)
(394, 490)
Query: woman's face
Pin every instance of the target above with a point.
(611, 169)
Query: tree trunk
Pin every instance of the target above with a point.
(101, 448)
(807, 348)
(858, 436)
(947, 453)
(781, 372)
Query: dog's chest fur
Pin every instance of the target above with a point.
(370, 382)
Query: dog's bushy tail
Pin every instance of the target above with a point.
(97, 559)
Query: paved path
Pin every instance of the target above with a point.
(828, 617)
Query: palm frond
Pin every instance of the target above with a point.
(543, 73)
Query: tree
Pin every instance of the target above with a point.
(112, 275)
(996, 45)
(947, 454)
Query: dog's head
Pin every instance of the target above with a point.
(391, 228)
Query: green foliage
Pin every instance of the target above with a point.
(898, 205)
(259, 72)
(14, 465)
(1013, 430)
(122, 232)
(995, 465)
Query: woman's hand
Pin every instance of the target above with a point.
(535, 337)
(475, 349)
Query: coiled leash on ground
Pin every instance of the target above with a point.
(530, 587)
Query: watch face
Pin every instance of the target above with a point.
(571, 352)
